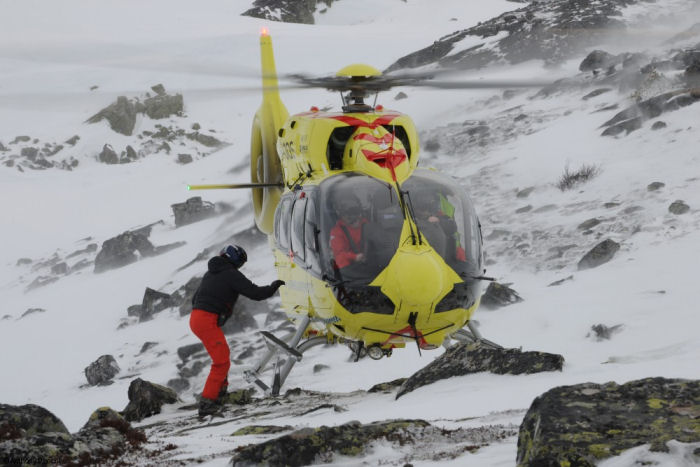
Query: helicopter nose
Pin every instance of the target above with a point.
(419, 277)
(416, 277)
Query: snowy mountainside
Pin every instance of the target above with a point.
(510, 149)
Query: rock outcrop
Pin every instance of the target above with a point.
(153, 302)
(121, 115)
(600, 254)
(102, 371)
(464, 359)
(550, 31)
(121, 250)
(581, 425)
(192, 210)
(352, 439)
(146, 399)
(287, 11)
(31, 435)
(128, 247)
(499, 295)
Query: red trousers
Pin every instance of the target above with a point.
(203, 325)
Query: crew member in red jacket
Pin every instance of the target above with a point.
(346, 239)
(212, 306)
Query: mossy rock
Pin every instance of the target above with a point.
(30, 419)
(261, 430)
(238, 397)
(581, 425)
(303, 446)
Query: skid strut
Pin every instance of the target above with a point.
(276, 347)
(472, 335)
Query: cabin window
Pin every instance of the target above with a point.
(311, 235)
(297, 230)
(282, 223)
(336, 146)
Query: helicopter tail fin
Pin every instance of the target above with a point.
(265, 164)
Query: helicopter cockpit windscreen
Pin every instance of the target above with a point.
(363, 219)
(446, 219)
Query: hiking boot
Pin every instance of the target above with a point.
(209, 407)
(223, 392)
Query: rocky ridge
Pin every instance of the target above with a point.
(288, 11)
(123, 116)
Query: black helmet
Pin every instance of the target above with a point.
(235, 254)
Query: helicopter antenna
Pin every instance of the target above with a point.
(374, 106)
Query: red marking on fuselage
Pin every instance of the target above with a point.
(387, 138)
(354, 121)
(408, 332)
(387, 159)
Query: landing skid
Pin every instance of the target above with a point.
(472, 336)
(288, 351)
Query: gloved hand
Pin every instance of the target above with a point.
(277, 284)
(222, 318)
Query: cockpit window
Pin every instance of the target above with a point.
(362, 220)
(446, 218)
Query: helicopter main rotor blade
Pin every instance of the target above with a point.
(234, 186)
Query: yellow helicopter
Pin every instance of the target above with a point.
(374, 251)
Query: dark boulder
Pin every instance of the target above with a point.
(600, 254)
(108, 155)
(601, 332)
(589, 224)
(388, 386)
(186, 351)
(31, 435)
(121, 250)
(205, 140)
(678, 207)
(499, 295)
(597, 60)
(183, 296)
(303, 446)
(192, 210)
(179, 385)
(102, 371)
(163, 105)
(237, 397)
(464, 359)
(261, 430)
(241, 319)
(153, 302)
(184, 159)
(73, 140)
(27, 420)
(655, 186)
(146, 399)
(121, 116)
(582, 424)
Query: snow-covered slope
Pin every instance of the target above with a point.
(52, 53)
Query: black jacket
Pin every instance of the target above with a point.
(221, 285)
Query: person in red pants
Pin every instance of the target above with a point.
(212, 306)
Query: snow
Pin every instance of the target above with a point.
(51, 53)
